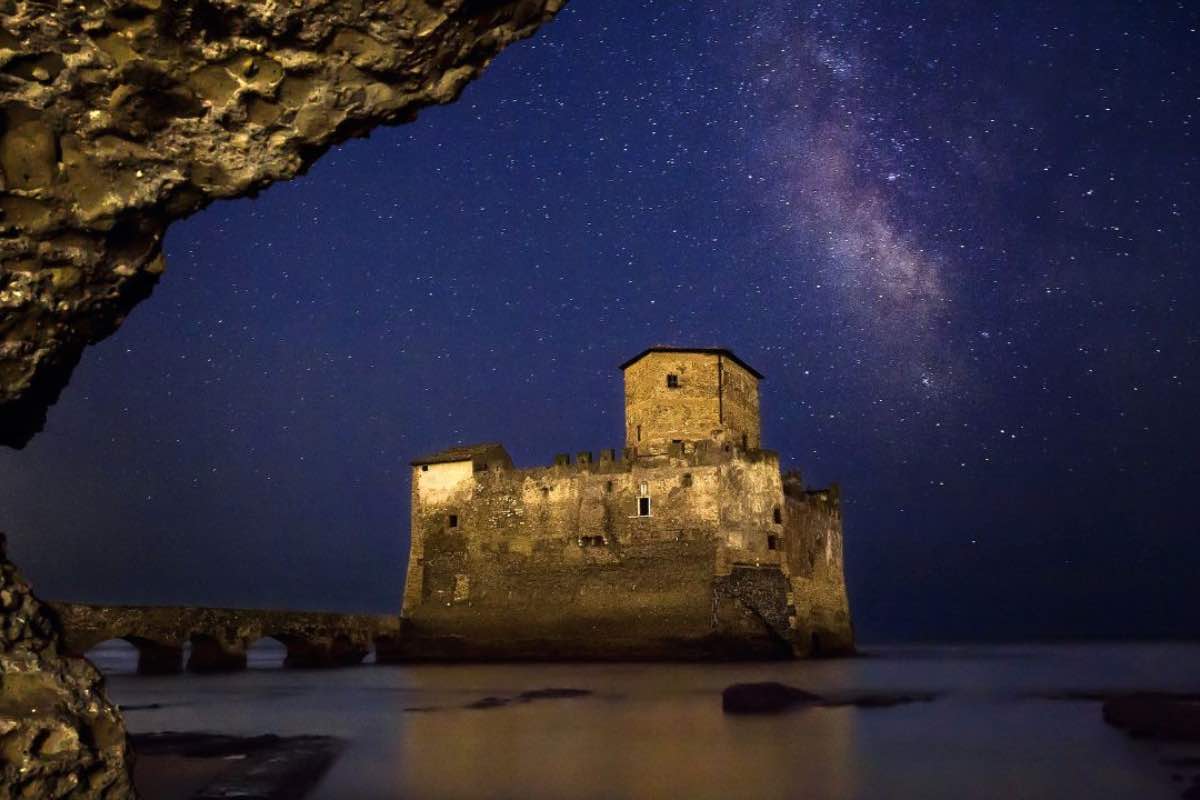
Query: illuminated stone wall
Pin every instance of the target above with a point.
(711, 398)
(560, 561)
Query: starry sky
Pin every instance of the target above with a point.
(959, 242)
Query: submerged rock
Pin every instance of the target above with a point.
(764, 698)
(266, 767)
(771, 697)
(1174, 717)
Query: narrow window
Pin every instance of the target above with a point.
(778, 516)
(608, 487)
(772, 542)
(453, 521)
(686, 480)
(672, 381)
(545, 491)
(639, 433)
(643, 506)
(424, 468)
(745, 442)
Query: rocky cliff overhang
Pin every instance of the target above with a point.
(120, 116)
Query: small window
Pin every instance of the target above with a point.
(745, 442)
(608, 486)
(686, 480)
(545, 491)
(452, 521)
(672, 381)
(591, 541)
(639, 433)
(424, 468)
(643, 506)
(778, 516)
(772, 542)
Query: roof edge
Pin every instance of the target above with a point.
(716, 351)
(468, 452)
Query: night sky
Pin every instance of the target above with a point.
(959, 242)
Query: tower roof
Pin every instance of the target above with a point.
(471, 452)
(716, 351)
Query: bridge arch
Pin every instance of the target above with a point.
(269, 651)
(152, 657)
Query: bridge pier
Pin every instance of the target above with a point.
(389, 649)
(209, 654)
(338, 651)
(158, 658)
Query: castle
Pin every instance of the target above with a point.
(690, 544)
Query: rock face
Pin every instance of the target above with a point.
(122, 115)
(59, 734)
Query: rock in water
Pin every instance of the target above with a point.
(60, 737)
(764, 698)
(1156, 716)
(123, 115)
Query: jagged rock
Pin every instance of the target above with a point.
(59, 734)
(122, 115)
(764, 698)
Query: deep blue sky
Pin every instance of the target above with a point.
(959, 242)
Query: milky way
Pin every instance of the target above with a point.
(831, 182)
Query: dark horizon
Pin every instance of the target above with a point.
(959, 244)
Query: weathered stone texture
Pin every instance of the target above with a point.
(711, 398)
(220, 637)
(556, 562)
(122, 115)
(813, 547)
(690, 546)
(59, 734)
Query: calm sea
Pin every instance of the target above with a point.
(657, 730)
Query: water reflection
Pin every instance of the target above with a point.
(658, 730)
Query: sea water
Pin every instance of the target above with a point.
(658, 731)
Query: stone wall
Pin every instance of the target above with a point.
(739, 405)
(715, 399)
(816, 569)
(557, 562)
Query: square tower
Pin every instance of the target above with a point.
(689, 394)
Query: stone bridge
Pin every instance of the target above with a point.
(220, 637)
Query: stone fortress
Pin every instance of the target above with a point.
(689, 544)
